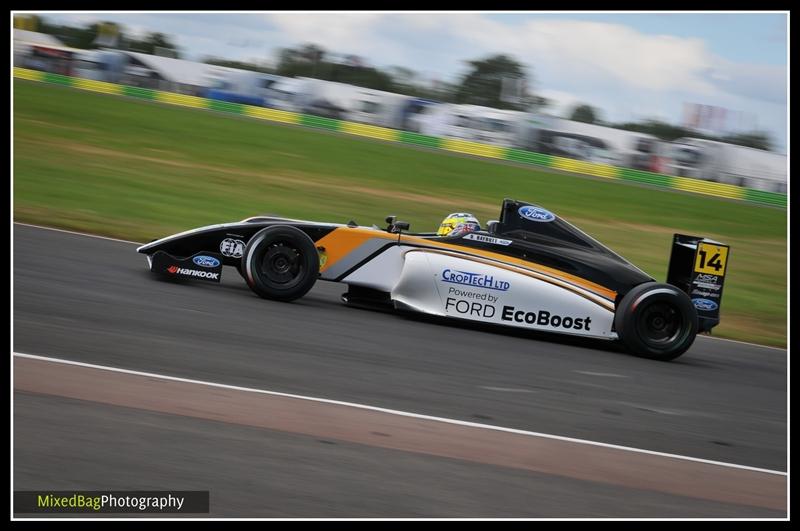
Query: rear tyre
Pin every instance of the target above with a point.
(280, 263)
(656, 321)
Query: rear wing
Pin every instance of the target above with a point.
(697, 266)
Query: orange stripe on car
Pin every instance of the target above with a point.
(343, 240)
(586, 284)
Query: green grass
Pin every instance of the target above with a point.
(141, 170)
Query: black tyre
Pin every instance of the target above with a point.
(656, 321)
(280, 263)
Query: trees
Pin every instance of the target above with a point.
(669, 132)
(217, 61)
(755, 139)
(310, 60)
(108, 34)
(402, 76)
(585, 113)
(661, 130)
(311, 53)
(484, 83)
(307, 60)
(75, 37)
(154, 44)
(541, 102)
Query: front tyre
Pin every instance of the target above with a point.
(280, 263)
(656, 321)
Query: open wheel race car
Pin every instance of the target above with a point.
(530, 269)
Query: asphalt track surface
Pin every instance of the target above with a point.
(93, 300)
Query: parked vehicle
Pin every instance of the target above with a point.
(726, 163)
(289, 94)
(472, 122)
(624, 148)
(239, 86)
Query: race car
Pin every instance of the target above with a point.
(530, 269)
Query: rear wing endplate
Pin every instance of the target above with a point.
(698, 266)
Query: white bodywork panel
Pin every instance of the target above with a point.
(442, 284)
(382, 272)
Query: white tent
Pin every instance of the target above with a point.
(177, 70)
(33, 37)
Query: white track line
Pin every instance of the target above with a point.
(140, 243)
(737, 341)
(604, 374)
(396, 412)
(76, 233)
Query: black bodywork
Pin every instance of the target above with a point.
(207, 239)
(561, 246)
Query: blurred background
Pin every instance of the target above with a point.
(692, 95)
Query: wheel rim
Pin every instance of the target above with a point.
(660, 324)
(282, 264)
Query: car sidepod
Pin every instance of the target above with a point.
(445, 284)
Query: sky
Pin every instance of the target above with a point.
(630, 66)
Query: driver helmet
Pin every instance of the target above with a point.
(458, 224)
